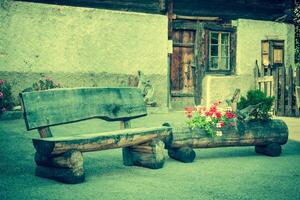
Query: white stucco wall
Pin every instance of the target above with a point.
(40, 37)
(250, 33)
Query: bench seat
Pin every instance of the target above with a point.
(99, 141)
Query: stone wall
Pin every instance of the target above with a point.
(81, 46)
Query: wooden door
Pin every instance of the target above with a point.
(182, 61)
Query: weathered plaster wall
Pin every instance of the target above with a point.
(92, 46)
(250, 33)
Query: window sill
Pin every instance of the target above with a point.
(223, 73)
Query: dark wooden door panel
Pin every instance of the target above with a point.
(183, 57)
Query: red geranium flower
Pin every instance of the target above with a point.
(218, 115)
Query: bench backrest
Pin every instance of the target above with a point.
(298, 96)
(61, 106)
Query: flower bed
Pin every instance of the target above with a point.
(210, 119)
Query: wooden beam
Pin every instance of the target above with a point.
(99, 141)
(197, 18)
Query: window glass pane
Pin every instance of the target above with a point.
(214, 50)
(225, 38)
(265, 47)
(278, 56)
(214, 38)
(224, 50)
(265, 59)
(224, 65)
(213, 63)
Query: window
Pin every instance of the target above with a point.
(272, 52)
(219, 51)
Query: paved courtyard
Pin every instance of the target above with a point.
(219, 173)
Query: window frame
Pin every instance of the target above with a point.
(273, 44)
(219, 56)
(231, 46)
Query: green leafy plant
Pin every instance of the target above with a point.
(6, 99)
(255, 97)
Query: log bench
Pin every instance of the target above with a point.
(60, 157)
(266, 136)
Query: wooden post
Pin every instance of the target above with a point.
(282, 92)
(127, 159)
(290, 92)
(45, 132)
(256, 75)
(170, 19)
(275, 88)
(297, 83)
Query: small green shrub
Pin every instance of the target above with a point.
(255, 97)
(6, 99)
(43, 84)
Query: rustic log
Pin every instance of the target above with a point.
(70, 159)
(150, 154)
(99, 141)
(67, 168)
(246, 134)
(272, 149)
(183, 154)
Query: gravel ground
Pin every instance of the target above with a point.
(218, 173)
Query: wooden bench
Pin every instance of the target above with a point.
(60, 158)
(266, 136)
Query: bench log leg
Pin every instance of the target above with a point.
(273, 149)
(150, 155)
(66, 168)
(183, 154)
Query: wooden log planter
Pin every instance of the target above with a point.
(267, 137)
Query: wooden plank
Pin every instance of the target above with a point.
(184, 25)
(282, 92)
(298, 96)
(218, 27)
(60, 106)
(290, 92)
(147, 6)
(265, 79)
(99, 141)
(187, 45)
(232, 52)
(197, 18)
(276, 87)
